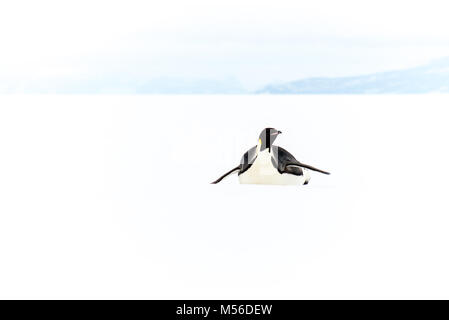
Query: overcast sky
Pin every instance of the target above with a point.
(255, 42)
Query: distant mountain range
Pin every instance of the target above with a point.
(190, 86)
(430, 78)
(122, 85)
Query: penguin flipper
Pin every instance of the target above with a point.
(286, 159)
(302, 165)
(225, 175)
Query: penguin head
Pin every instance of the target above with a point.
(267, 137)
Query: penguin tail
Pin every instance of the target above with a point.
(225, 175)
(302, 165)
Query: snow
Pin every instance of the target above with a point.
(109, 197)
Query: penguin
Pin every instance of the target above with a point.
(266, 163)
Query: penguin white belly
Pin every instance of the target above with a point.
(262, 171)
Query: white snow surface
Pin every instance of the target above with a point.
(110, 197)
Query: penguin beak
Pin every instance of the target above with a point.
(279, 132)
(276, 133)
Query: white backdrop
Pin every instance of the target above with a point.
(109, 197)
